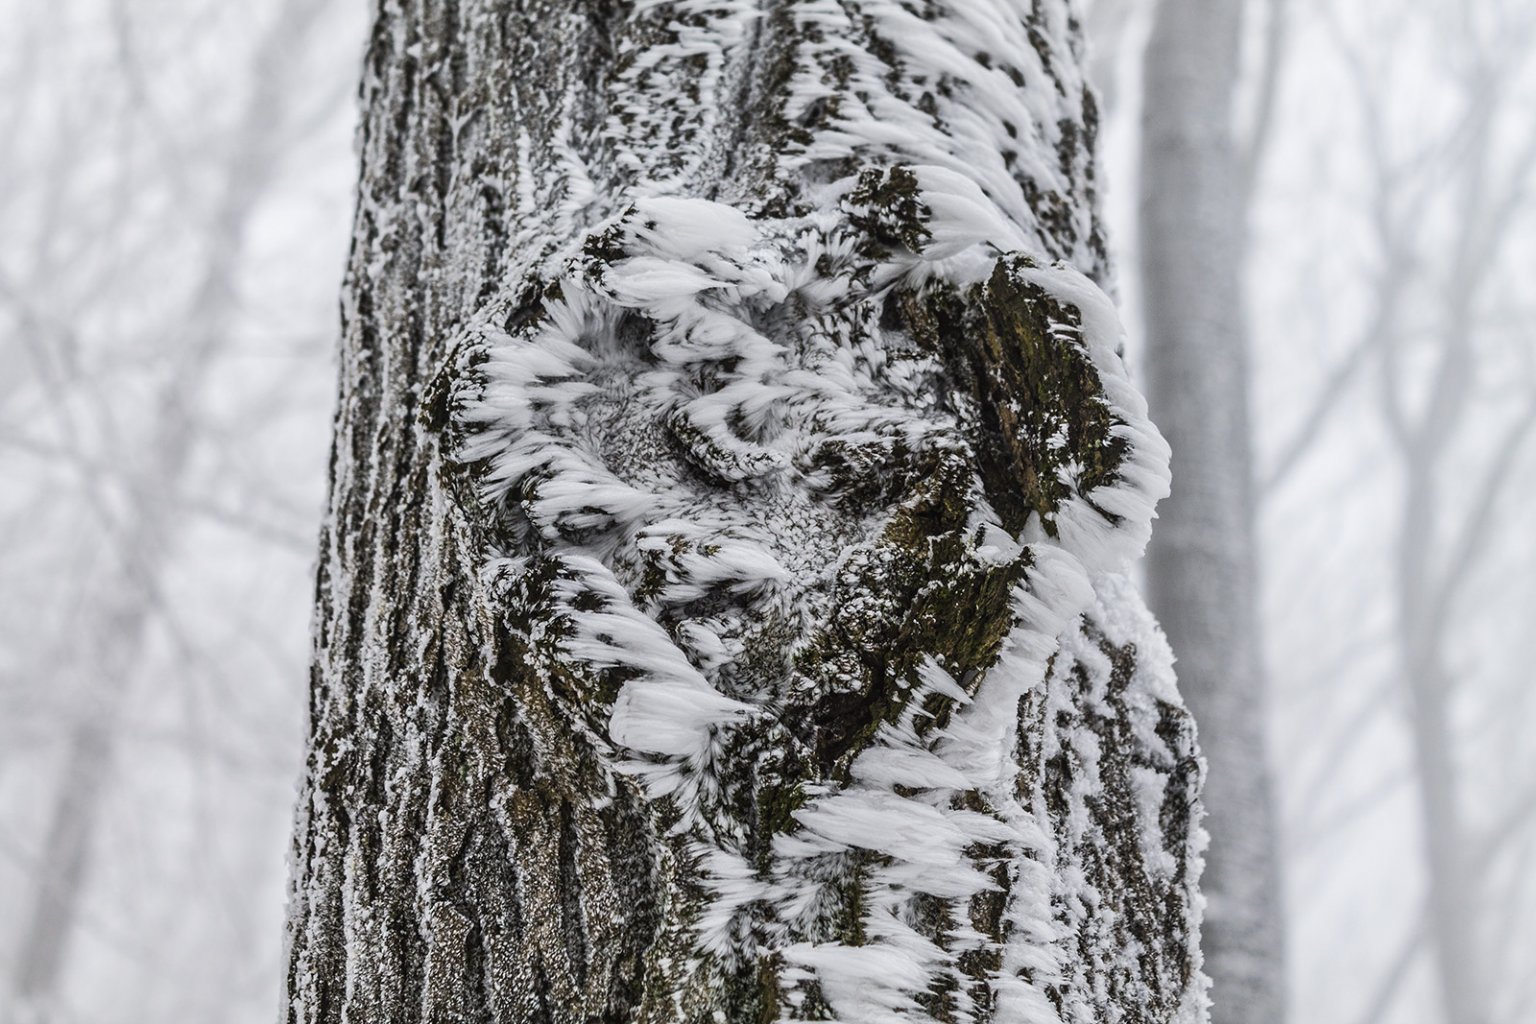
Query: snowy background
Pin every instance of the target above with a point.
(175, 184)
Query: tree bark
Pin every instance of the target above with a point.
(1201, 565)
(720, 609)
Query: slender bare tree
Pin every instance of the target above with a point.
(1483, 179)
(1202, 567)
(1441, 359)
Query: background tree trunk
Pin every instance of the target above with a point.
(120, 611)
(720, 610)
(1201, 566)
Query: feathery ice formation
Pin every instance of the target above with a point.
(810, 473)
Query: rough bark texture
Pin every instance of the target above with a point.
(719, 606)
(1201, 565)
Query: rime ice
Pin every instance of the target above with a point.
(805, 474)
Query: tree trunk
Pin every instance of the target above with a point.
(720, 611)
(1201, 566)
(1427, 581)
(1453, 903)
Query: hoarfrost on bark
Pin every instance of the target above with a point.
(802, 473)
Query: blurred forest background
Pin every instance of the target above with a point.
(175, 180)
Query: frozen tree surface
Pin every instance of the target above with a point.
(722, 611)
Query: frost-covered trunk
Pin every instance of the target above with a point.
(720, 606)
(1201, 564)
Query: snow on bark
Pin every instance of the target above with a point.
(766, 653)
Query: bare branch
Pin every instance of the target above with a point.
(96, 470)
(1331, 394)
(1348, 813)
(1471, 543)
(1507, 829)
(1271, 63)
(1392, 982)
